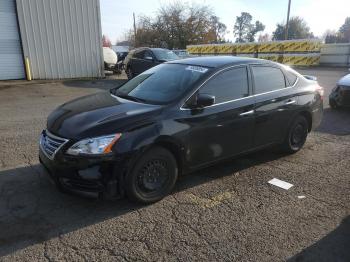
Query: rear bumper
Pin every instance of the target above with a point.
(88, 177)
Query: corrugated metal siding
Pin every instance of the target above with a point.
(62, 38)
(11, 58)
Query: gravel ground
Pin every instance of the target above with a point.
(227, 212)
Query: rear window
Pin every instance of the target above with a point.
(164, 54)
(292, 78)
(267, 79)
(139, 54)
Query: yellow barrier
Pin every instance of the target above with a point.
(272, 57)
(301, 46)
(301, 60)
(270, 47)
(294, 52)
(226, 49)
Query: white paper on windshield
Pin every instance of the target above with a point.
(197, 69)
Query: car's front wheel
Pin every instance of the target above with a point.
(296, 136)
(129, 73)
(152, 177)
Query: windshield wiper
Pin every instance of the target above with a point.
(125, 96)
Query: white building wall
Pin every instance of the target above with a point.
(61, 38)
(335, 55)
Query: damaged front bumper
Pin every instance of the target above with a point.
(94, 177)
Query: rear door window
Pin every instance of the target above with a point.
(140, 54)
(229, 85)
(147, 54)
(292, 78)
(267, 79)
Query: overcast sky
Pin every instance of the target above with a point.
(116, 15)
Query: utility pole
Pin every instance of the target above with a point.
(133, 14)
(287, 24)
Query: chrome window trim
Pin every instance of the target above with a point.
(54, 137)
(238, 99)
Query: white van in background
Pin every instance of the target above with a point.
(110, 59)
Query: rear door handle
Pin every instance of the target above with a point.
(290, 102)
(247, 113)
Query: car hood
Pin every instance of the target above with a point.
(99, 114)
(344, 81)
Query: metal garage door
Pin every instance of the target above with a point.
(11, 59)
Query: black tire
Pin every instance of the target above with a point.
(333, 104)
(296, 136)
(129, 73)
(152, 177)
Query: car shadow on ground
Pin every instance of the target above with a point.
(104, 84)
(335, 122)
(32, 210)
(333, 247)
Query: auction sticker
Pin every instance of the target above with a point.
(197, 69)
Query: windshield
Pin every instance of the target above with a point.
(161, 84)
(163, 54)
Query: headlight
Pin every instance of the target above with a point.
(94, 146)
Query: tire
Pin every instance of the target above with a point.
(152, 177)
(296, 136)
(129, 73)
(333, 104)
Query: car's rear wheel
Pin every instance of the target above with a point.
(129, 73)
(296, 135)
(152, 177)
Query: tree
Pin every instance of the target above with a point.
(264, 38)
(258, 27)
(106, 42)
(177, 25)
(298, 29)
(217, 30)
(345, 30)
(245, 30)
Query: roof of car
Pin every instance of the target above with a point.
(149, 48)
(218, 61)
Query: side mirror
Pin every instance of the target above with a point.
(204, 100)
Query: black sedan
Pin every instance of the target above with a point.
(176, 118)
(340, 95)
(144, 58)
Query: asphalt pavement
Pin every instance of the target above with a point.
(228, 212)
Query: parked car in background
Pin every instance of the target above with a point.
(121, 51)
(340, 95)
(176, 118)
(141, 59)
(182, 53)
(110, 59)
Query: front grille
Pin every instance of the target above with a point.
(50, 143)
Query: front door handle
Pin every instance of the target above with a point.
(247, 113)
(290, 102)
